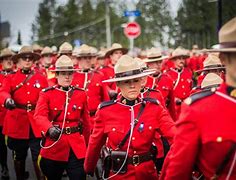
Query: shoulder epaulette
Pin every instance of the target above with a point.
(106, 103)
(48, 88)
(151, 100)
(199, 95)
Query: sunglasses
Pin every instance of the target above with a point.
(27, 58)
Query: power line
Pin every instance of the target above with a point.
(66, 33)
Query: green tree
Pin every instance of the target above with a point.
(19, 38)
(155, 22)
(43, 25)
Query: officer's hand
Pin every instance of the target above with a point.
(10, 104)
(54, 133)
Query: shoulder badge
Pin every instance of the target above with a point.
(106, 103)
(48, 88)
(151, 100)
(199, 95)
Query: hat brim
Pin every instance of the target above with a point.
(173, 57)
(108, 53)
(64, 70)
(146, 60)
(221, 50)
(143, 74)
(207, 69)
(17, 56)
(5, 56)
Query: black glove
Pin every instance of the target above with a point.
(10, 104)
(54, 133)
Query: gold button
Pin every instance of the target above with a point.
(2, 105)
(28, 92)
(113, 129)
(28, 101)
(97, 84)
(150, 127)
(183, 86)
(79, 107)
(184, 93)
(219, 139)
(67, 121)
(68, 113)
(55, 108)
(182, 79)
(133, 138)
(28, 84)
(135, 152)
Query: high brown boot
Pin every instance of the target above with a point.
(38, 172)
(19, 169)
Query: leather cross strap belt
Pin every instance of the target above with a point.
(27, 107)
(139, 158)
(71, 130)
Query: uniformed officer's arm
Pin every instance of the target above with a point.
(5, 90)
(41, 112)
(86, 121)
(96, 141)
(181, 158)
(166, 125)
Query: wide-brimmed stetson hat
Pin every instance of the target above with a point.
(211, 80)
(116, 47)
(64, 63)
(46, 51)
(153, 55)
(180, 52)
(84, 51)
(227, 38)
(101, 54)
(6, 53)
(127, 68)
(37, 48)
(65, 48)
(26, 51)
(210, 63)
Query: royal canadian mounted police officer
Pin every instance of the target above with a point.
(206, 131)
(19, 94)
(128, 124)
(7, 68)
(62, 116)
(90, 80)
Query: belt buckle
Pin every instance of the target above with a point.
(136, 160)
(29, 107)
(68, 130)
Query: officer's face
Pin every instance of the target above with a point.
(26, 62)
(85, 62)
(47, 59)
(130, 89)
(155, 65)
(7, 63)
(179, 62)
(115, 56)
(229, 60)
(64, 78)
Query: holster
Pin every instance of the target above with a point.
(106, 161)
(117, 159)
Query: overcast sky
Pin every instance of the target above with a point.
(21, 14)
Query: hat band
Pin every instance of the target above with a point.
(128, 73)
(154, 57)
(227, 45)
(65, 68)
(214, 66)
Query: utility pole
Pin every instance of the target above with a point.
(108, 24)
(219, 4)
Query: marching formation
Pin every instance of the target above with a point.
(109, 115)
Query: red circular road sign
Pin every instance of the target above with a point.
(132, 30)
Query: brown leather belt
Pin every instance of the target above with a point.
(28, 107)
(71, 130)
(139, 158)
